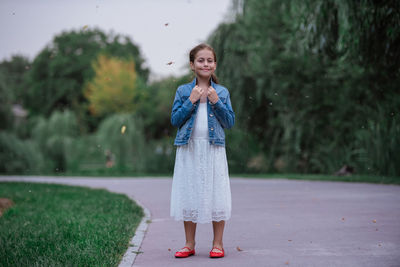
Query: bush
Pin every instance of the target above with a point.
(122, 135)
(243, 152)
(18, 156)
(379, 146)
(54, 136)
(160, 156)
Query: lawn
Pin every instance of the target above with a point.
(58, 225)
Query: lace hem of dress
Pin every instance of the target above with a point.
(192, 215)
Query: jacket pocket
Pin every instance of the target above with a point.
(219, 131)
(182, 132)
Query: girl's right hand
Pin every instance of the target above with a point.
(196, 94)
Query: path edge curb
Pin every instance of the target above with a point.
(135, 243)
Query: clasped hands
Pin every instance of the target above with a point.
(198, 92)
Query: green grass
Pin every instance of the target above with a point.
(58, 225)
(325, 177)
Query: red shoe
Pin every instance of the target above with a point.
(217, 254)
(184, 254)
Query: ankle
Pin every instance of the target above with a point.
(190, 244)
(218, 244)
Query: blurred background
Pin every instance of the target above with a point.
(87, 89)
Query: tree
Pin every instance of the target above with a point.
(114, 88)
(11, 87)
(6, 116)
(306, 76)
(14, 71)
(155, 109)
(58, 74)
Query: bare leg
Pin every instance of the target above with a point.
(218, 228)
(190, 232)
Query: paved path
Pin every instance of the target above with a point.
(275, 222)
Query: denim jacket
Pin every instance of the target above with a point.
(220, 115)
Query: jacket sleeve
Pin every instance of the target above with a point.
(224, 113)
(181, 111)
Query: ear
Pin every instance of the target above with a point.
(191, 66)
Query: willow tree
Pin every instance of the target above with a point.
(306, 77)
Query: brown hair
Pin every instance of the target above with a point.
(196, 49)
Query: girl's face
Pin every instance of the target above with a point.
(204, 64)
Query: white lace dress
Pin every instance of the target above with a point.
(200, 188)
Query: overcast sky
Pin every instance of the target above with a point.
(27, 26)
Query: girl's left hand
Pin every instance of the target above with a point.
(212, 95)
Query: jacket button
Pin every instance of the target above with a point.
(211, 115)
(212, 129)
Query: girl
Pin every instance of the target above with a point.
(200, 188)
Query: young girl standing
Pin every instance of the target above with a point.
(201, 188)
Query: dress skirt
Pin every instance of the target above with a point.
(200, 187)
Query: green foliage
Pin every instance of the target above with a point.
(12, 88)
(19, 156)
(122, 134)
(155, 109)
(115, 87)
(6, 117)
(54, 136)
(58, 74)
(243, 153)
(13, 72)
(160, 156)
(305, 76)
(84, 154)
(379, 141)
(366, 31)
(314, 85)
